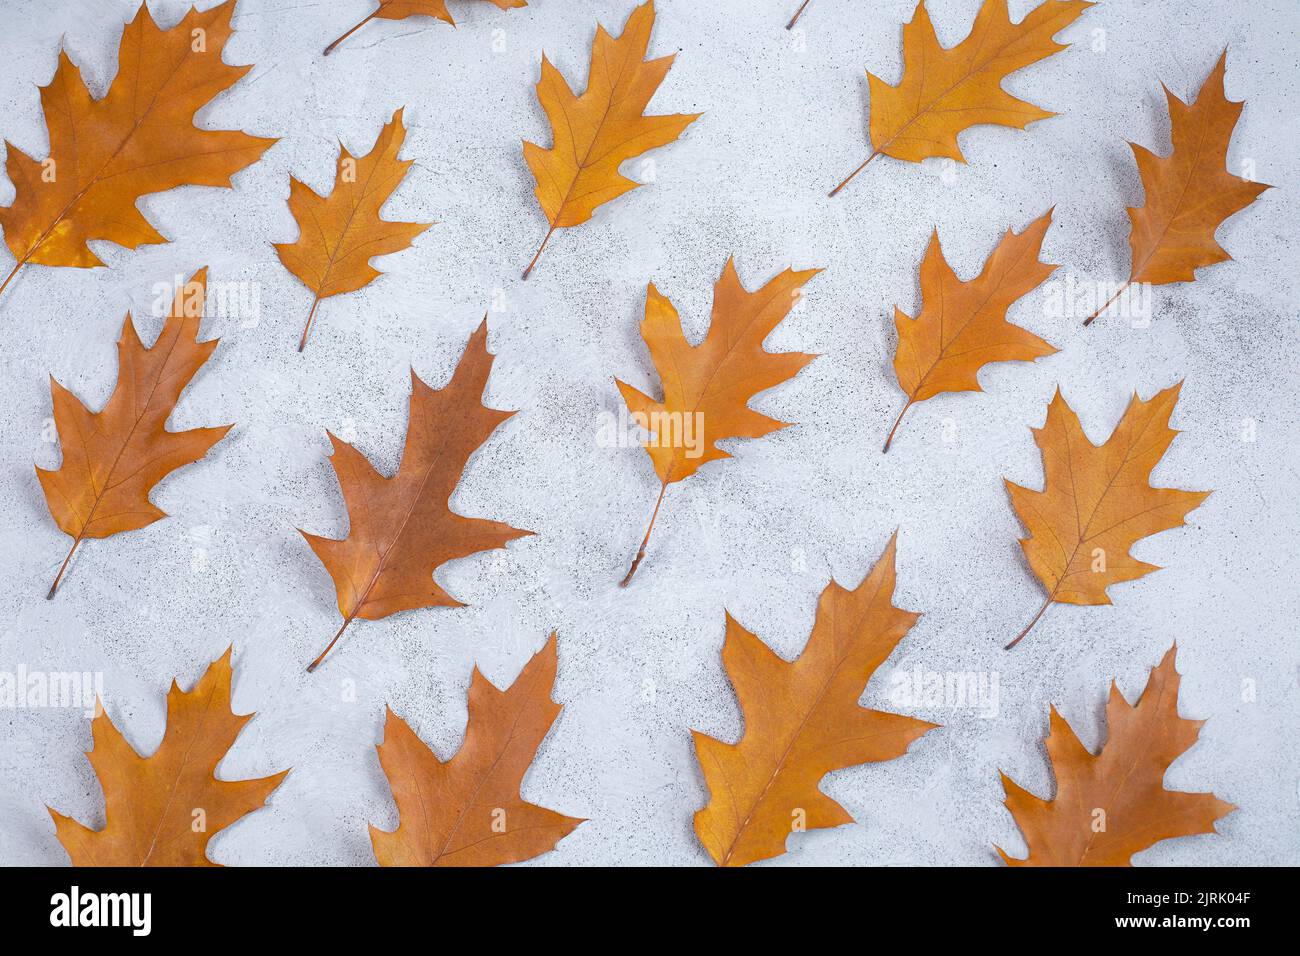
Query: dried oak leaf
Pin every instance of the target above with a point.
(1115, 804)
(113, 458)
(1097, 501)
(944, 92)
(468, 811)
(1189, 193)
(963, 325)
(402, 529)
(341, 232)
(139, 139)
(401, 9)
(707, 387)
(153, 806)
(595, 132)
(802, 720)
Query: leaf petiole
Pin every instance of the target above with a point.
(636, 562)
(1030, 626)
(62, 568)
(330, 49)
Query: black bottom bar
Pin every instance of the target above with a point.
(246, 906)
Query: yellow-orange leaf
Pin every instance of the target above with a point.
(113, 458)
(595, 132)
(963, 325)
(1115, 804)
(1189, 193)
(401, 9)
(1097, 501)
(944, 92)
(139, 139)
(340, 233)
(152, 805)
(402, 529)
(468, 811)
(802, 720)
(707, 387)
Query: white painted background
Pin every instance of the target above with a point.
(759, 535)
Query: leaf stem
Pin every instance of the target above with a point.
(317, 662)
(797, 14)
(302, 343)
(636, 562)
(1030, 626)
(898, 421)
(62, 568)
(330, 49)
(1088, 320)
(874, 154)
(9, 278)
(538, 254)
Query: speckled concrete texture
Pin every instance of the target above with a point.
(759, 535)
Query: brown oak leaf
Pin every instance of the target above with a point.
(944, 92)
(963, 325)
(402, 529)
(595, 132)
(1189, 193)
(340, 233)
(113, 458)
(139, 139)
(153, 806)
(1097, 501)
(802, 720)
(401, 9)
(707, 387)
(1113, 804)
(468, 811)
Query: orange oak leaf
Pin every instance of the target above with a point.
(340, 233)
(707, 387)
(963, 325)
(595, 132)
(1114, 804)
(802, 720)
(401, 9)
(944, 92)
(152, 805)
(1097, 501)
(1189, 193)
(468, 811)
(402, 529)
(139, 139)
(113, 458)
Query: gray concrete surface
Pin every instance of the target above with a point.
(759, 535)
